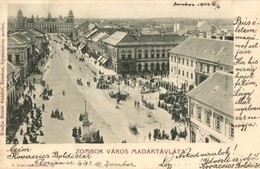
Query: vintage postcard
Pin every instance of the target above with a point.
(129, 84)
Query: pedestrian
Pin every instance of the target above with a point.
(138, 104)
(43, 107)
(149, 136)
(34, 96)
(61, 116)
(52, 114)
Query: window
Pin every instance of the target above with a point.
(191, 75)
(231, 130)
(139, 54)
(123, 55)
(191, 63)
(179, 60)
(175, 70)
(183, 61)
(152, 53)
(192, 109)
(17, 59)
(199, 113)
(187, 74)
(10, 58)
(146, 54)
(218, 123)
(187, 62)
(157, 53)
(174, 59)
(171, 58)
(163, 53)
(179, 72)
(171, 69)
(183, 73)
(208, 115)
(129, 55)
(207, 68)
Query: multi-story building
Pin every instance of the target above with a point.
(13, 76)
(25, 48)
(195, 59)
(49, 24)
(210, 109)
(136, 54)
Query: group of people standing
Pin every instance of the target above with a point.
(57, 114)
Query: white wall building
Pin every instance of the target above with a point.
(195, 59)
(210, 108)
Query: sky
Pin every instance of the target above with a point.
(120, 9)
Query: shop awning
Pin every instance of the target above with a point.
(104, 61)
(99, 58)
(81, 46)
(101, 61)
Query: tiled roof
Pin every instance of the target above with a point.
(83, 25)
(216, 91)
(152, 40)
(13, 41)
(99, 37)
(87, 35)
(115, 38)
(20, 37)
(206, 49)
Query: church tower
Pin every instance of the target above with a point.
(71, 16)
(49, 15)
(19, 20)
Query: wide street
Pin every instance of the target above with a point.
(112, 123)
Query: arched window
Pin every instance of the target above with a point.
(163, 66)
(146, 53)
(163, 53)
(152, 53)
(139, 53)
(139, 67)
(158, 53)
(152, 66)
(146, 67)
(157, 66)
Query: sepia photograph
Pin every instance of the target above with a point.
(114, 72)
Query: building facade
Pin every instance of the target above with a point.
(195, 59)
(13, 76)
(48, 24)
(140, 54)
(25, 48)
(210, 109)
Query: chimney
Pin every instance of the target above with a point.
(209, 35)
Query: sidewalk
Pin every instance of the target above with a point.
(42, 68)
(102, 69)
